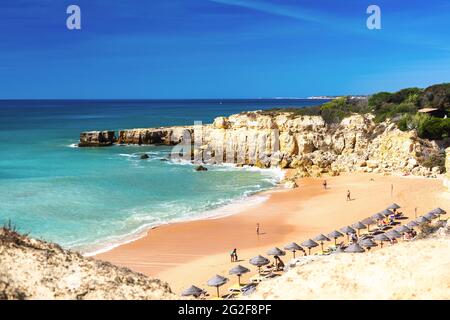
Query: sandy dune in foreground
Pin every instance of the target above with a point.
(191, 253)
(416, 270)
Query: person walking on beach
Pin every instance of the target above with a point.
(325, 184)
(349, 198)
(257, 229)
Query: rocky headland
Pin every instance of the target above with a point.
(305, 143)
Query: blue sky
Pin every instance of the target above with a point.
(220, 48)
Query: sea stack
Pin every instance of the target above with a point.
(97, 139)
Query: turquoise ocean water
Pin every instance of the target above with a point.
(90, 199)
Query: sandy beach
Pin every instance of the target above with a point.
(192, 252)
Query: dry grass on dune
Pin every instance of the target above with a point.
(414, 270)
(34, 269)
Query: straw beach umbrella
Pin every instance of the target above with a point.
(347, 230)
(335, 234)
(358, 226)
(239, 271)
(382, 237)
(412, 224)
(378, 216)
(321, 238)
(393, 207)
(368, 222)
(217, 281)
(431, 216)
(259, 261)
(309, 244)
(276, 252)
(293, 247)
(193, 291)
(368, 243)
(402, 229)
(422, 220)
(392, 234)
(354, 248)
(439, 212)
(386, 212)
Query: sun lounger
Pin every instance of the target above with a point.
(241, 291)
(323, 253)
(260, 277)
(236, 288)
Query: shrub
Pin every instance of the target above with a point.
(437, 96)
(427, 127)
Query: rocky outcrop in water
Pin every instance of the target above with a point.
(97, 139)
(158, 136)
(33, 269)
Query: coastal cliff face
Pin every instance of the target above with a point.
(165, 136)
(304, 143)
(33, 269)
(313, 147)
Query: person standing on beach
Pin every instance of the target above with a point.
(325, 184)
(349, 198)
(257, 229)
(233, 255)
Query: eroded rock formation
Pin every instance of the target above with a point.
(165, 136)
(96, 139)
(305, 143)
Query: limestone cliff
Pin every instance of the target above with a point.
(33, 269)
(305, 143)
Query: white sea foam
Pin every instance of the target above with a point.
(222, 208)
(147, 219)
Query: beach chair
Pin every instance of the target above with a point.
(325, 252)
(236, 288)
(260, 277)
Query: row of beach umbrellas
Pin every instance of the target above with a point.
(367, 242)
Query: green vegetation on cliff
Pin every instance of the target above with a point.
(401, 107)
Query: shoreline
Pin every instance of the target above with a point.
(247, 200)
(201, 248)
(137, 235)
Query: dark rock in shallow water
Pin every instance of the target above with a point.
(97, 139)
(201, 168)
(163, 159)
(144, 156)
